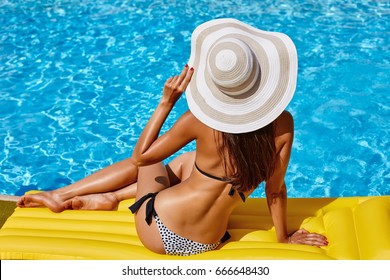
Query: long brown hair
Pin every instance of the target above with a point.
(251, 155)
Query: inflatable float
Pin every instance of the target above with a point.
(356, 227)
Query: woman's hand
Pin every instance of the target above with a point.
(147, 150)
(176, 85)
(302, 236)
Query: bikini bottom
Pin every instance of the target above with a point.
(174, 244)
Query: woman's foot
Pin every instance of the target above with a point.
(100, 201)
(50, 199)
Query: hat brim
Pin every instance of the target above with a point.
(277, 59)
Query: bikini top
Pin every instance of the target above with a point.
(225, 179)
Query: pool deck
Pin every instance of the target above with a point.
(7, 206)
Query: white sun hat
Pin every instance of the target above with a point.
(244, 77)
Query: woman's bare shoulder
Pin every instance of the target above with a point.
(284, 123)
(191, 122)
(189, 125)
(188, 117)
(284, 134)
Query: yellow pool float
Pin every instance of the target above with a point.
(356, 227)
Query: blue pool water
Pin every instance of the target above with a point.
(79, 79)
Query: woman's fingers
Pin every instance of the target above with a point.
(302, 236)
(178, 79)
(316, 239)
(182, 75)
(176, 85)
(184, 78)
(180, 83)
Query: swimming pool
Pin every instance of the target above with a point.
(79, 79)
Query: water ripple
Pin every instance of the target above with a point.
(79, 79)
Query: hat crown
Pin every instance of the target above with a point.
(231, 65)
(244, 76)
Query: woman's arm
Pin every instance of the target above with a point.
(149, 148)
(276, 188)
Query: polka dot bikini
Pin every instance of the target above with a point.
(173, 243)
(180, 246)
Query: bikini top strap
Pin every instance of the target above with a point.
(211, 176)
(232, 190)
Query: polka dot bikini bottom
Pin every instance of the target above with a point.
(180, 246)
(173, 243)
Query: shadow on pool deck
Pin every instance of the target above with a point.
(7, 207)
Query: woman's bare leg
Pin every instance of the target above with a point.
(101, 201)
(151, 179)
(178, 169)
(111, 178)
(156, 178)
(111, 192)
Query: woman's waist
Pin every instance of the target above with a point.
(190, 225)
(194, 216)
(200, 200)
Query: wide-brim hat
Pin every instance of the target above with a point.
(244, 77)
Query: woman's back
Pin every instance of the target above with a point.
(205, 204)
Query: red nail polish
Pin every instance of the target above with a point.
(192, 69)
(186, 66)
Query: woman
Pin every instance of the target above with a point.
(243, 80)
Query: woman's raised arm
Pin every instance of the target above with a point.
(145, 151)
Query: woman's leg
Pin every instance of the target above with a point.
(151, 179)
(103, 189)
(178, 169)
(101, 201)
(111, 178)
